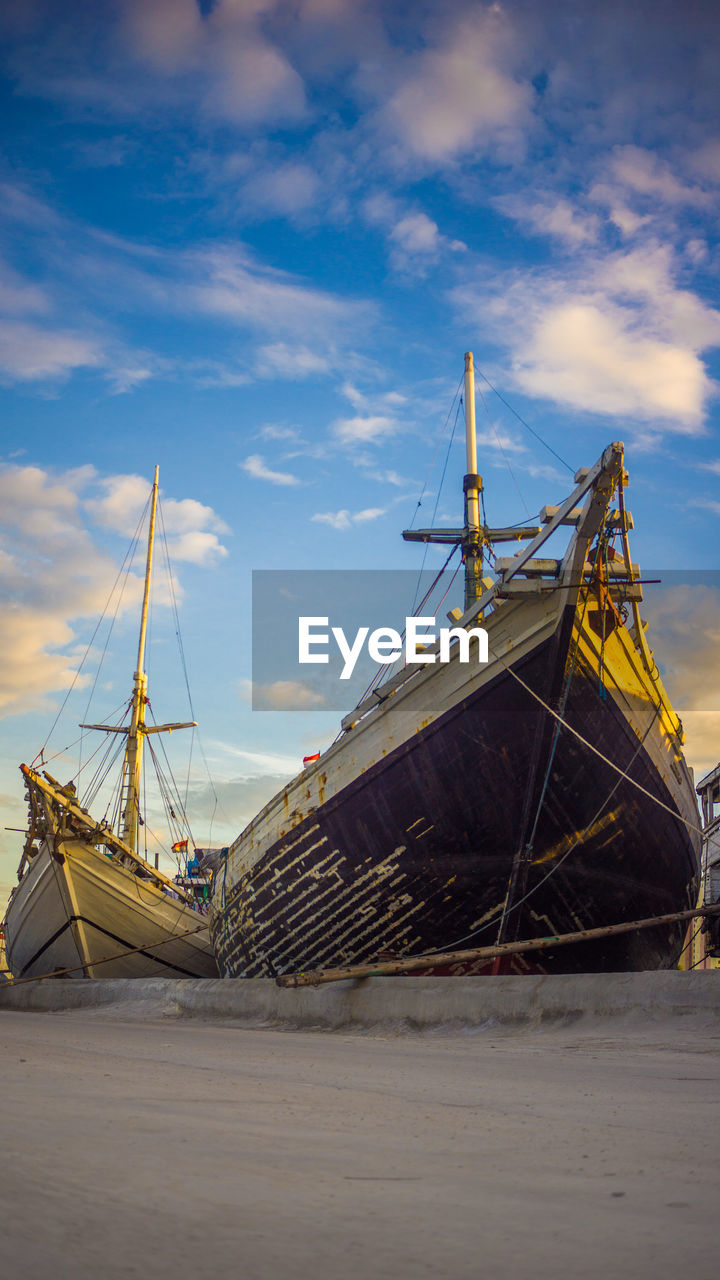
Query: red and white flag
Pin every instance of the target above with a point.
(310, 759)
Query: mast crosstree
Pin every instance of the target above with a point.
(474, 536)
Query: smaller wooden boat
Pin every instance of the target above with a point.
(87, 903)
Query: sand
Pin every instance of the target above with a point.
(176, 1147)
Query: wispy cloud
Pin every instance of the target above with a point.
(364, 430)
(29, 353)
(203, 60)
(552, 216)
(345, 519)
(230, 284)
(414, 239)
(284, 360)
(107, 281)
(274, 431)
(286, 695)
(255, 466)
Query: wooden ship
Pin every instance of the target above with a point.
(87, 904)
(544, 792)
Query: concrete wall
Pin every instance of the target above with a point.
(401, 1003)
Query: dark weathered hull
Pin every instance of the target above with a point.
(416, 852)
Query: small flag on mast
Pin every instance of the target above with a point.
(180, 847)
(310, 759)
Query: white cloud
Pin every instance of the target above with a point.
(29, 353)
(229, 284)
(271, 431)
(256, 467)
(280, 359)
(647, 174)
(126, 378)
(416, 242)
(611, 335)
(236, 72)
(17, 295)
(196, 547)
(392, 477)
(364, 430)
(286, 189)
(705, 161)
(191, 527)
(588, 356)
(552, 216)
(416, 233)
(414, 239)
(462, 95)
(53, 574)
(286, 695)
(696, 250)
(345, 519)
(639, 189)
(501, 441)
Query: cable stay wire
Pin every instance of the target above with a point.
(437, 450)
(124, 568)
(506, 460)
(503, 914)
(195, 733)
(437, 504)
(527, 426)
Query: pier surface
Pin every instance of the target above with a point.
(137, 1142)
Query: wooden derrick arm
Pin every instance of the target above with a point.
(83, 826)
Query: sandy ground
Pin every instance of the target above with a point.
(178, 1148)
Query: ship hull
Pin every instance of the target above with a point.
(409, 836)
(74, 908)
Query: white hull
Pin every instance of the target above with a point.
(80, 907)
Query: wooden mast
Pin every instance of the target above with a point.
(137, 730)
(472, 540)
(132, 766)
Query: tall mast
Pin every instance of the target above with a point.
(137, 730)
(473, 536)
(133, 751)
(472, 541)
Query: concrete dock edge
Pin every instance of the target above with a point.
(410, 1004)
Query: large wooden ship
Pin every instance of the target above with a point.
(541, 793)
(87, 903)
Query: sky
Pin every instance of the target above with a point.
(249, 241)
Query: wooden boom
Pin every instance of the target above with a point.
(434, 959)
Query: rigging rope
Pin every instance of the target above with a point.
(530, 842)
(532, 431)
(129, 554)
(578, 840)
(437, 450)
(437, 503)
(505, 458)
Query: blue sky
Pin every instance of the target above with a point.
(250, 241)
